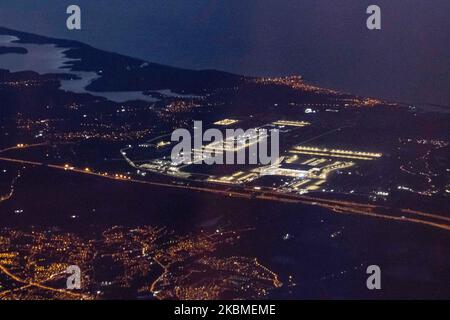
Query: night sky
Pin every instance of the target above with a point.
(324, 40)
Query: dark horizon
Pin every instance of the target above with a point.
(329, 45)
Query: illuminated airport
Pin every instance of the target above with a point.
(299, 168)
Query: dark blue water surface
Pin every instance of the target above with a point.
(325, 40)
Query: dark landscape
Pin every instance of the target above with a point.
(85, 180)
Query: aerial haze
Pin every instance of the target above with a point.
(325, 41)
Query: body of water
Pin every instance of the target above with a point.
(326, 41)
(50, 59)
